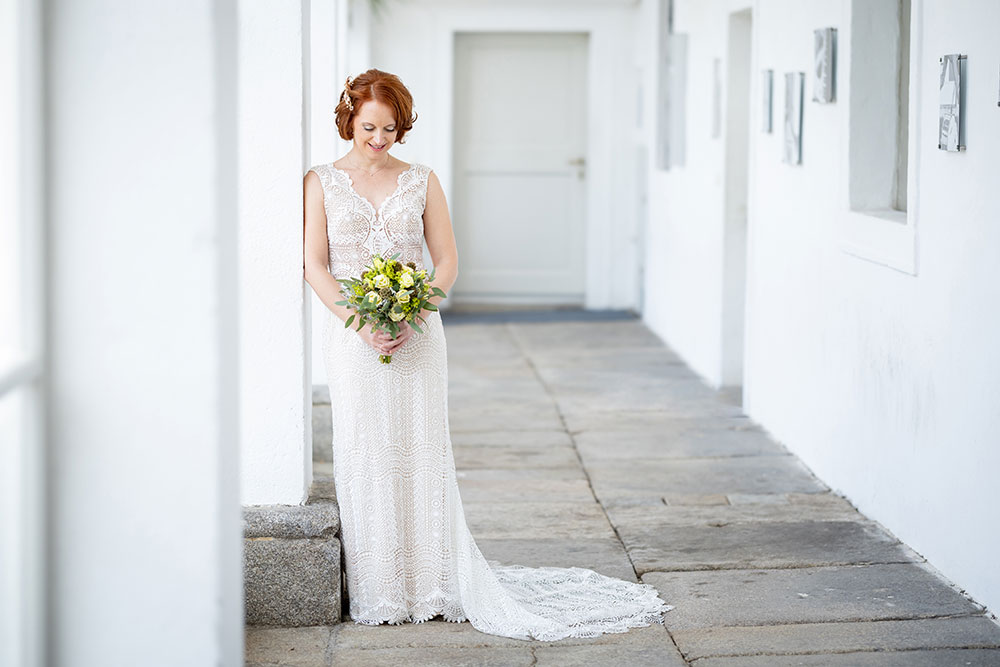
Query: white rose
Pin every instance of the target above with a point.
(406, 280)
(381, 280)
(395, 317)
(372, 296)
(402, 296)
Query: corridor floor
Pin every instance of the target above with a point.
(590, 443)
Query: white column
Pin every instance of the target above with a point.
(145, 529)
(327, 20)
(276, 445)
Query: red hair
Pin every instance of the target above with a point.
(376, 85)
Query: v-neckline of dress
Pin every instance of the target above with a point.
(376, 210)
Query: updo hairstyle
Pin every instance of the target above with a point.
(375, 84)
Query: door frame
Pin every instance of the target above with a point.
(738, 146)
(610, 244)
(526, 299)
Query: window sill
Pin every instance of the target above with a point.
(885, 237)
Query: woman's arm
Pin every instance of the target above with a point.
(440, 238)
(317, 249)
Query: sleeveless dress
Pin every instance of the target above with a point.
(408, 553)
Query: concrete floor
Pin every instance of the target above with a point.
(590, 443)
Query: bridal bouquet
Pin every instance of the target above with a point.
(388, 292)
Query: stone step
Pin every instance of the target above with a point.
(292, 561)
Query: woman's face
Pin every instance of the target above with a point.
(374, 128)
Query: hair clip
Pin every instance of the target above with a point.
(346, 94)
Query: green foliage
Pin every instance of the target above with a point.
(389, 292)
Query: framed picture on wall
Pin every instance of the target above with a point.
(671, 104)
(950, 103)
(824, 65)
(766, 97)
(793, 117)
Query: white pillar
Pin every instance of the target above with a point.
(326, 73)
(276, 444)
(145, 528)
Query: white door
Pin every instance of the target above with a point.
(520, 179)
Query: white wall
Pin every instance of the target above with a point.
(276, 441)
(685, 249)
(145, 528)
(883, 374)
(415, 40)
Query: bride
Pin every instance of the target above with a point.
(408, 553)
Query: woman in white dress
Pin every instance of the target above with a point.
(408, 553)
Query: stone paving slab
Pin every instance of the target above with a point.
(648, 359)
(718, 510)
(806, 595)
(524, 474)
(606, 556)
(533, 337)
(509, 393)
(757, 474)
(305, 646)
(687, 438)
(648, 421)
(575, 410)
(513, 406)
(515, 457)
(940, 658)
(538, 439)
(802, 638)
(505, 420)
(520, 520)
(482, 341)
(611, 368)
(525, 490)
(665, 655)
(770, 544)
(476, 374)
(635, 390)
(433, 657)
(446, 635)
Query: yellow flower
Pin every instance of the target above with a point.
(377, 263)
(402, 296)
(395, 317)
(422, 273)
(372, 296)
(381, 281)
(406, 280)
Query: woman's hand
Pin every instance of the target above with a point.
(379, 340)
(405, 331)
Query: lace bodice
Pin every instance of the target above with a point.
(356, 230)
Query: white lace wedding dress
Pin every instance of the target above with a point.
(407, 551)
